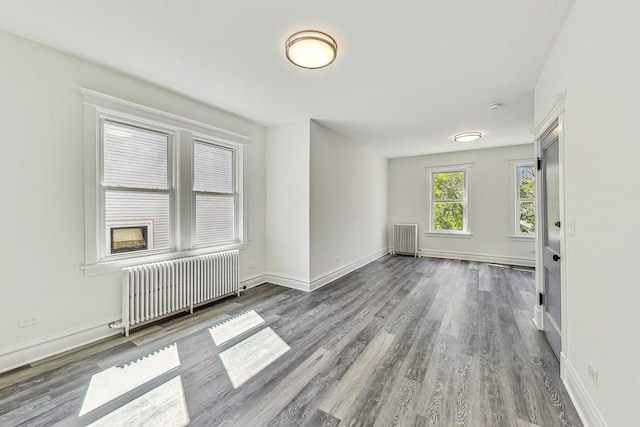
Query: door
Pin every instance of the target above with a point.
(551, 232)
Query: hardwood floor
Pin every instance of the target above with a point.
(402, 341)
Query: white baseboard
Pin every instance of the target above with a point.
(583, 403)
(538, 317)
(288, 281)
(252, 281)
(467, 256)
(324, 278)
(26, 352)
(328, 277)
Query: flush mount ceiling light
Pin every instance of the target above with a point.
(311, 49)
(467, 137)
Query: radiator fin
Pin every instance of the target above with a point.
(151, 291)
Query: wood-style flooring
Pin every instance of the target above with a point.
(400, 342)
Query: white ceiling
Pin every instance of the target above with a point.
(409, 74)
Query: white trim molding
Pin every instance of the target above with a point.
(124, 107)
(550, 115)
(252, 281)
(182, 135)
(468, 256)
(465, 168)
(17, 355)
(586, 408)
(538, 317)
(324, 278)
(328, 277)
(288, 281)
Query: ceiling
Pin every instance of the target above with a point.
(409, 73)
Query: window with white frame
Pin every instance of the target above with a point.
(448, 201)
(157, 186)
(137, 190)
(215, 193)
(525, 199)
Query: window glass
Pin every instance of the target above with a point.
(448, 194)
(526, 199)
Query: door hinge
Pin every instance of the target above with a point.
(539, 163)
(540, 298)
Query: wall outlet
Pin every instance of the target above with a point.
(593, 374)
(337, 259)
(28, 320)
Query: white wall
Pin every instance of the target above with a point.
(42, 215)
(326, 199)
(288, 201)
(595, 61)
(490, 193)
(348, 202)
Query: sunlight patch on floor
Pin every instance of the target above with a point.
(165, 405)
(117, 380)
(250, 356)
(234, 327)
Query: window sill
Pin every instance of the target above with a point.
(521, 238)
(115, 266)
(455, 235)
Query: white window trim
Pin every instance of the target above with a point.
(466, 231)
(514, 202)
(183, 131)
(237, 184)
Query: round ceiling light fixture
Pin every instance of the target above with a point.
(467, 137)
(311, 49)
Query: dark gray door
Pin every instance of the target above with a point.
(551, 261)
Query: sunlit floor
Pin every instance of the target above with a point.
(402, 341)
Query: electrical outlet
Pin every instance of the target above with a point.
(28, 320)
(337, 259)
(593, 374)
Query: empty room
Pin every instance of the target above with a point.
(319, 214)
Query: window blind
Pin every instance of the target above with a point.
(132, 206)
(135, 157)
(213, 168)
(135, 160)
(213, 182)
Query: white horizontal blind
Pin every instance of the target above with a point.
(214, 218)
(134, 157)
(136, 181)
(213, 168)
(215, 198)
(132, 206)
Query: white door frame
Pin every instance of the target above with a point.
(554, 112)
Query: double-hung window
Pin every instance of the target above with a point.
(157, 186)
(525, 199)
(137, 191)
(214, 187)
(448, 199)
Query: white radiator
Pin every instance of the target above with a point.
(156, 290)
(405, 239)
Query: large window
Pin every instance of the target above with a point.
(448, 206)
(157, 186)
(525, 199)
(137, 189)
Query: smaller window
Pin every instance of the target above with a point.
(214, 185)
(448, 207)
(525, 200)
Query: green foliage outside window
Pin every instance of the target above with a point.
(448, 197)
(527, 196)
